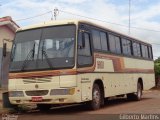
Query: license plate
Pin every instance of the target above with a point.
(37, 99)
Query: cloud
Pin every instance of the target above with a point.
(73, 1)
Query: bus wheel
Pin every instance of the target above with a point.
(96, 97)
(136, 96)
(139, 91)
(44, 107)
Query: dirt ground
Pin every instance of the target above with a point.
(0, 99)
(150, 104)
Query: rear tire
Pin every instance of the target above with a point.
(136, 96)
(139, 91)
(96, 98)
(44, 107)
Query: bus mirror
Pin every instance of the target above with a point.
(4, 49)
(81, 43)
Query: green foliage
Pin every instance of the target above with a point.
(157, 67)
(157, 60)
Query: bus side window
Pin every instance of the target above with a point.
(84, 49)
(136, 49)
(150, 52)
(114, 43)
(126, 46)
(144, 51)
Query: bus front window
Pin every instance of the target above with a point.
(58, 48)
(44, 48)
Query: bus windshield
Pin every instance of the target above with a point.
(43, 48)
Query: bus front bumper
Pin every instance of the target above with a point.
(53, 97)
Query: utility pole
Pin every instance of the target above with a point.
(52, 15)
(56, 12)
(129, 22)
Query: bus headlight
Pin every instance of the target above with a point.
(16, 94)
(62, 91)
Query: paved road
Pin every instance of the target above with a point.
(150, 103)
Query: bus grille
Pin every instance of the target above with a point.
(37, 93)
(36, 80)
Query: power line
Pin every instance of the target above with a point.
(129, 15)
(138, 28)
(34, 16)
(84, 17)
(89, 18)
(92, 18)
(155, 43)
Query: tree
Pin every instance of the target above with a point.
(157, 69)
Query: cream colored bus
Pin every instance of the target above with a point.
(73, 61)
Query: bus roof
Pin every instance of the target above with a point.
(49, 23)
(74, 21)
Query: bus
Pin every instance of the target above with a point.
(77, 61)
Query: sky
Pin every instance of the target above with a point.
(144, 15)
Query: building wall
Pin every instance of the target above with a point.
(5, 33)
(0, 63)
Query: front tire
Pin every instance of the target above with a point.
(96, 98)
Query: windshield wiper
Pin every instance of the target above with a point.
(29, 56)
(47, 59)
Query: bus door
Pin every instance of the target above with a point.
(85, 60)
